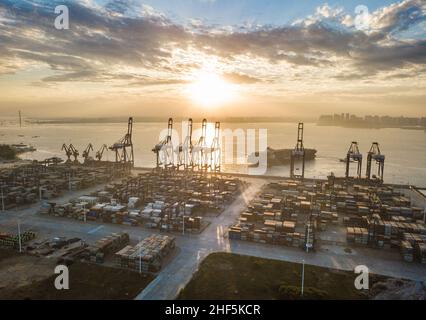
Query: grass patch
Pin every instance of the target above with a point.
(230, 276)
(87, 282)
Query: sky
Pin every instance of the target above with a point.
(230, 58)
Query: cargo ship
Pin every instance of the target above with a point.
(279, 157)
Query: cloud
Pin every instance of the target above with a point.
(240, 78)
(72, 76)
(105, 42)
(144, 82)
(397, 17)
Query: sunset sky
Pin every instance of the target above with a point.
(220, 57)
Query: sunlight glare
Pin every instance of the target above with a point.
(210, 90)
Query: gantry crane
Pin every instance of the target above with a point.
(68, 152)
(298, 154)
(355, 156)
(200, 150)
(215, 152)
(184, 151)
(379, 158)
(124, 147)
(75, 152)
(86, 153)
(164, 149)
(100, 152)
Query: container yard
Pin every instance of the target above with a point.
(29, 183)
(299, 213)
(171, 201)
(147, 255)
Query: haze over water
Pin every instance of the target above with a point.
(405, 150)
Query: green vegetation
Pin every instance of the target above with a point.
(87, 282)
(7, 152)
(230, 276)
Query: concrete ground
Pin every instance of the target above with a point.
(193, 248)
(24, 270)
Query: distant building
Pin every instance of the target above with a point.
(351, 120)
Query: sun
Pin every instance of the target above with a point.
(210, 90)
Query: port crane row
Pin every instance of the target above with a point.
(201, 156)
(353, 156)
(123, 150)
(187, 155)
(374, 156)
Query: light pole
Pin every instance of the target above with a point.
(183, 222)
(19, 236)
(307, 239)
(140, 257)
(2, 199)
(303, 276)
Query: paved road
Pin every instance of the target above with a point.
(193, 248)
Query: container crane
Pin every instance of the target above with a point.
(124, 147)
(298, 154)
(164, 149)
(100, 152)
(354, 155)
(184, 151)
(200, 150)
(379, 158)
(215, 152)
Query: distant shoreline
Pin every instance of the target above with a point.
(164, 119)
(366, 126)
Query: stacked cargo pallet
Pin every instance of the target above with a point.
(108, 245)
(407, 251)
(147, 255)
(357, 236)
(330, 216)
(393, 230)
(284, 226)
(265, 235)
(421, 252)
(418, 243)
(12, 241)
(234, 233)
(294, 239)
(413, 238)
